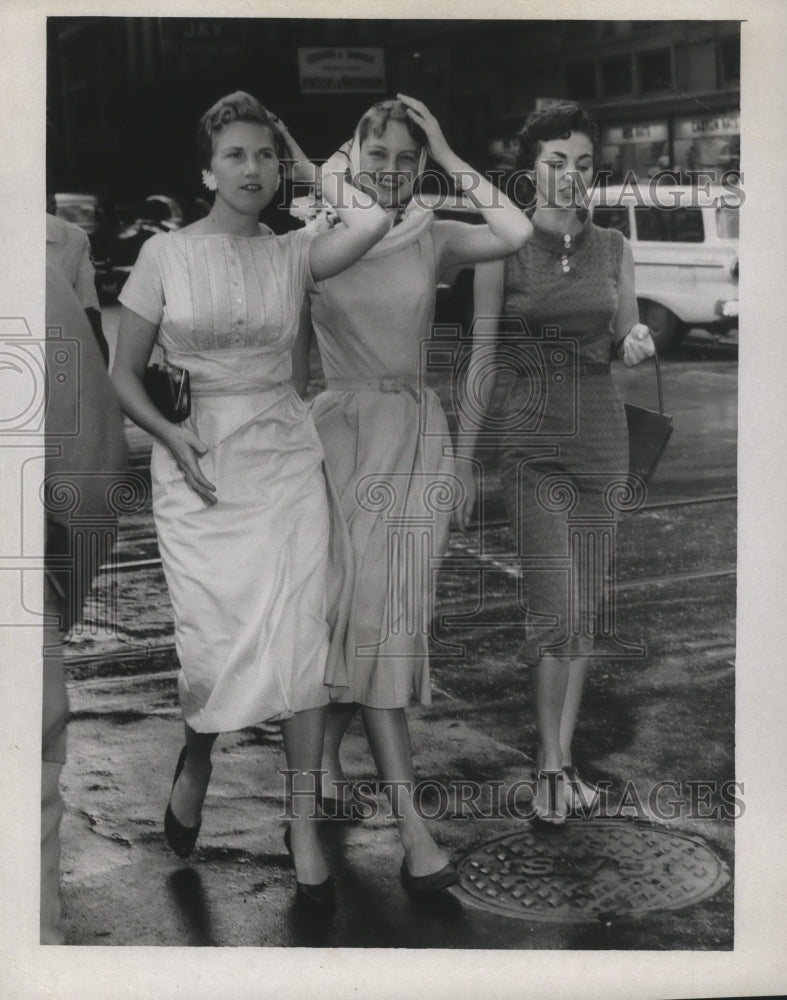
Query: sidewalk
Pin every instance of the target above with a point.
(123, 886)
(668, 717)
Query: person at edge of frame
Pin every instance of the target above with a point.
(69, 246)
(84, 463)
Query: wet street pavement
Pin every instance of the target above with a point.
(657, 730)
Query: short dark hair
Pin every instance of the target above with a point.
(554, 122)
(236, 107)
(375, 121)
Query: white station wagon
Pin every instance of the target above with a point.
(685, 244)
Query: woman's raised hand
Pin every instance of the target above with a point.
(638, 345)
(302, 168)
(418, 113)
(185, 447)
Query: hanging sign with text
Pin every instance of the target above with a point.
(349, 71)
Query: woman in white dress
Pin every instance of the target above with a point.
(239, 494)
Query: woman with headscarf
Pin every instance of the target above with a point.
(387, 444)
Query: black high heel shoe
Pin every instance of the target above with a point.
(319, 897)
(179, 837)
(420, 885)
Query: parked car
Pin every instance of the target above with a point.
(87, 212)
(158, 214)
(685, 244)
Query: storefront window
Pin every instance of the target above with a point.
(639, 150)
(581, 80)
(710, 144)
(655, 70)
(616, 78)
(731, 59)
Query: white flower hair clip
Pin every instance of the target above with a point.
(209, 180)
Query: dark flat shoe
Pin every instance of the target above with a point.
(179, 837)
(318, 898)
(436, 882)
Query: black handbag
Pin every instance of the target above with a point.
(649, 432)
(170, 390)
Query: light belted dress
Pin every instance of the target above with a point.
(388, 449)
(248, 576)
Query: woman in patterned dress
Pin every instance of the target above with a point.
(387, 444)
(239, 495)
(564, 435)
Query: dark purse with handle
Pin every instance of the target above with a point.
(169, 388)
(649, 432)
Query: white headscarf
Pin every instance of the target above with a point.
(415, 217)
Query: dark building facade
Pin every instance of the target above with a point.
(125, 93)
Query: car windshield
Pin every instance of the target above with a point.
(82, 213)
(727, 222)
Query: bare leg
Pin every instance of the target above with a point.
(577, 672)
(580, 796)
(334, 780)
(389, 739)
(192, 784)
(303, 740)
(550, 681)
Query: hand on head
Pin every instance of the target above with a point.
(418, 113)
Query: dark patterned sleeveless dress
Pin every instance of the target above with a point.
(564, 446)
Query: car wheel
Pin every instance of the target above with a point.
(665, 327)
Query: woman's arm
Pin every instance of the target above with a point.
(476, 393)
(631, 337)
(365, 222)
(302, 168)
(301, 349)
(507, 227)
(136, 337)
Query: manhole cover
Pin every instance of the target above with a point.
(587, 870)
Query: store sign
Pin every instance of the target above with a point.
(196, 45)
(708, 125)
(349, 71)
(622, 135)
(202, 34)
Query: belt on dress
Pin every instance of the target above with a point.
(385, 383)
(580, 368)
(231, 390)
